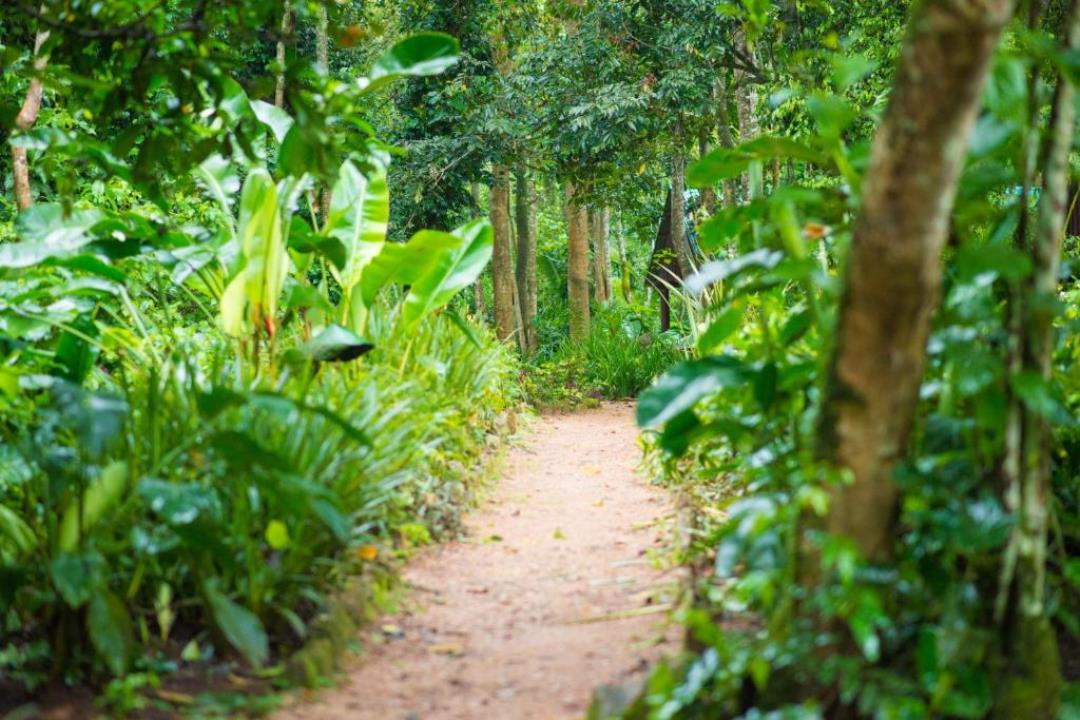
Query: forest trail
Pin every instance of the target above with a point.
(553, 593)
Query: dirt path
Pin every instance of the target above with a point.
(512, 623)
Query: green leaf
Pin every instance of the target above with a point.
(850, 69)
(277, 535)
(101, 496)
(466, 328)
(419, 55)
(682, 387)
(45, 231)
(720, 330)
(16, 537)
(279, 121)
(77, 576)
(451, 273)
(111, 632)
(406, 263)
(219, 178)
(724, 163)
(335, 344)
(718, 270)
(359, 213)
(239, 625)
(1037, 393)
(253, 295)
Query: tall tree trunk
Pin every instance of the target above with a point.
(322, 59)
(1031, 687)
(502, 262)
(708, 195)
(478, 287)
(625, 283)
(684, 254)
(577, 231)
(27, 116)
(723, 130)
(599, 226)
(285, 36)
(525, 216)
(894, 266)
(746, 102)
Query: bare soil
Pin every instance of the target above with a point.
(555, 591)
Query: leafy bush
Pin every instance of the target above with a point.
(188, 502)
(620, 358)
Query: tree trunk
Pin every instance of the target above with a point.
(894, 267)
(502, 262)
(478, 286)
(684, 254)
(746, 102)
(28, 113)
(525, 212)
(1031, 687)
(287, 26)
(723, 129)
(599, 225)
(322, 59)
(577, 230)
(625, 283)
(708, 195)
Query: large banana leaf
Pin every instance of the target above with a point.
(359, 213)
(419, 55)
(255, 291)
(453, 271)
(406, 263)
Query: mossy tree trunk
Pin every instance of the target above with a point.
(284, 37)
(525, 270)
(1031, 686)
(893, 269)
(600, 226)
(502, 262)
(684, 255)
(577, 231)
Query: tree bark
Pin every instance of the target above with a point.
(577, 230)
(723, 130)
(27, 116)
(625, 283)
(322, 59)
(894, 267)
(708, 195)
(1031, 687)
(502, 262)
(525, 271)
(599, 225)
(684, 255)
(287, 26)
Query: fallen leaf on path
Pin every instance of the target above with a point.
(393, 631)
(449, 649)
(590, 470)
(558, 534)
(598, 503)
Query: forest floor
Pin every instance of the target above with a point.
(557, 589)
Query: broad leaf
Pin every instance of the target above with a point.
(239, 625)
(334, 344)
(419, 55)
(111, 631)
(254, 293)
(452, 272)
(682, 387)
(45, 232)
(406, 263)
(279, 121)
(359, 213)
